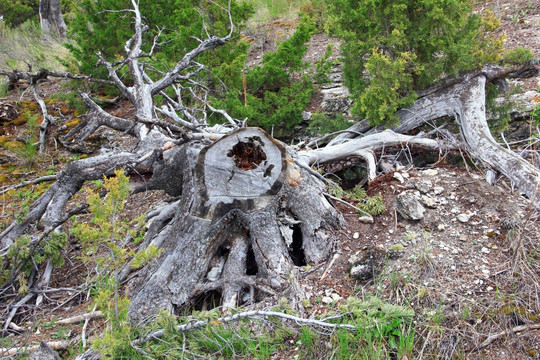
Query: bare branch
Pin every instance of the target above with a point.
(80, 318)
(57, 345)
(114, 76)
(16, 75)
(47, 119)
(248, 314)
(186, 61)
(29, 182)
(515, 329)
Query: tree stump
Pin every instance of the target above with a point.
(246, 218)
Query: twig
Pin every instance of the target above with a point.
(85, 326)
(29, 182)
(349, 204)
(329, 266)
(80, 318)
(45, 279)
(248, 314)
(516, 329)
(13, 311)
(16, 327)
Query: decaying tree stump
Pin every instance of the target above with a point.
(247, 216)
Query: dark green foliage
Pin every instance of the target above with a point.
(16, 12)
(276, 92)
(500, 110)
(393, 48)
(324, 124)
(105, 26)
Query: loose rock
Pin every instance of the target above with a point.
(409, 207)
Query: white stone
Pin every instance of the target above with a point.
(430, 172)
(399, 177)
(327, 300)
(463, 218)
(366, 219)
(428, 201)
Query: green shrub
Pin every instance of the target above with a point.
(517, 56)
(324, 124)
(391, 49)
(16, 12)
(500, 111)
(277, 91)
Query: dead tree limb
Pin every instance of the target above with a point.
(248, 314)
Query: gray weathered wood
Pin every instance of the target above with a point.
(230, 206)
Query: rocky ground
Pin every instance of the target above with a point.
(466, 261)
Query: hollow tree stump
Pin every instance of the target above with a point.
(246, 218)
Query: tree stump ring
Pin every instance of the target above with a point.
(243, 170)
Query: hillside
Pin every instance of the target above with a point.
(460, 280)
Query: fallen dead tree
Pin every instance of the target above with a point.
(248, 209)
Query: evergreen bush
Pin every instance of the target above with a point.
(275, 94)
(15, 12)
(393, 48)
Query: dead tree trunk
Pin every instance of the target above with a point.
(50, 16)
(247, 216)
(463, 99)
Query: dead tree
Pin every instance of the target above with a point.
(51, 19)
(248, 209)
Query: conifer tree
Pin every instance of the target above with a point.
(393, 48)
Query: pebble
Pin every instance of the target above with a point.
(366, 219)
(356, 235)
(424, 186)
(430, 172)
(463, 218)
(437, 190)
(428, 201)
(399, 177)
(354, 259)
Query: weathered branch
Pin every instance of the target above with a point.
(29, 182)
(248, 314)
(515, 329)
(80, 318)
(57, 345)
(47, 119)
